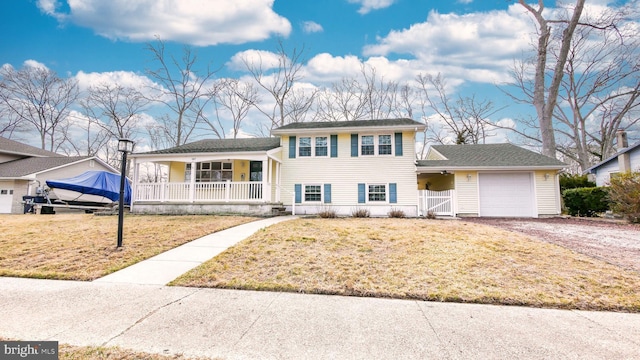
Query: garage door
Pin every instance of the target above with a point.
(506, 195)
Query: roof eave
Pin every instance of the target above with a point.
(349, 129)
(420, 168)
(222, 154)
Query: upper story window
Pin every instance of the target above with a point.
(384, 144)
(304, 147)
(321, 146)
(376, 144)
(367, 146)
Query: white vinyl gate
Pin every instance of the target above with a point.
(439, 203)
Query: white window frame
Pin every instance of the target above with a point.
(304, 194)
(312, 147)
(315, 146)
(300, 147)
(386, 193)
(376, 144)
(199, 169)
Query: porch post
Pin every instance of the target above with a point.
(266, 183)
(277, 180)
(134, 182)
(192, 181)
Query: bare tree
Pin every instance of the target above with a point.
(184, 91)
(599, 93)
(464, 118)
(115, 108)
(235, 98)
(37, 96)
(279, 82)
(364, 98)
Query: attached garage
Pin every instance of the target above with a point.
(506, 194)
(493, 180)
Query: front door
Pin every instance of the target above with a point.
(255, 174)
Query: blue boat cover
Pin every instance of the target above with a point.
(102, 183)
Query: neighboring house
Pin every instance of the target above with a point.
(626, 159)
(345, 166)
(24, 168)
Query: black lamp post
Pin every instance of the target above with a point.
(124, 146)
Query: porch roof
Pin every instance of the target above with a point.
(220, 146)
(484, 156)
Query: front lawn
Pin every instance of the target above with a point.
(83, 246)
(418, 259)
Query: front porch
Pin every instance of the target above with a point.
(223, 176)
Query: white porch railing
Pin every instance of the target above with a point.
(436, 202)
(201, 192)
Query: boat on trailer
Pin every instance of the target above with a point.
(92, 188)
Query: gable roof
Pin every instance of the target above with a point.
(25, 167)
(221, 145)
(480, 156)
(404, 123)
(14, 147)
(613, 157)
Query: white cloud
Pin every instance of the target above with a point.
(367, 6)
(479, 46)
(259, 58)
(195, 22)
(35, 64)
(122, 78)
(465, 1)
(311, 27)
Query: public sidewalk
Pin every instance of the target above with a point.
(231, 324)
(163, 268)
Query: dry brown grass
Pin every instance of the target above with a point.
(418, 259)
(83, 246)
(68, 352)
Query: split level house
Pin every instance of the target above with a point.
(24, 169)
(345, 166)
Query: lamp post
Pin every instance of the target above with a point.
(124, 146)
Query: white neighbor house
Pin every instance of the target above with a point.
(626, 159)
(345, 166)
(24, 168)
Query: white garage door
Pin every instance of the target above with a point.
(506, 195)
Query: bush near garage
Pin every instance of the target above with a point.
(573, 181)
(624, 195)
(587, 202)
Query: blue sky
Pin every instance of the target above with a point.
(472, 43)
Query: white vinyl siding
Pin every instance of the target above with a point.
(344, 173)
(547, 192)
(466, 192)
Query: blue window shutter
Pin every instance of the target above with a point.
(393, 193)
(298, 188)
(327, 193)
(292, 147)
(334, 145)
(354, 145)
(361, 194)
(398, 144)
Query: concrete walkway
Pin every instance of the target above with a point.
(163, 268)
(229, 324)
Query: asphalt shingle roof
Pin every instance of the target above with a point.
(15, 147)
(23, 167)
(488, 155)
(222, 145)
(346, 124)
